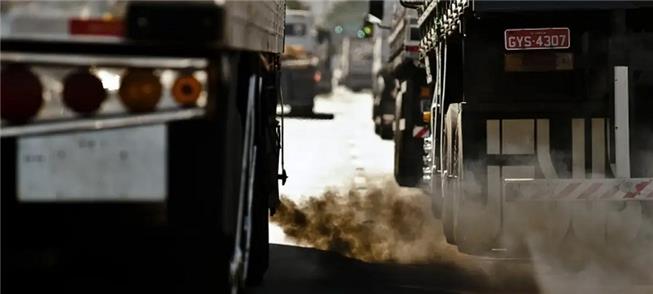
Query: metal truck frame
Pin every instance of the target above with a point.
(211, 227)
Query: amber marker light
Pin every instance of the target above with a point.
(140, 90)
(186, 90)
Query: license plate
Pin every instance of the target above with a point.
(112, 165)
(534, 39)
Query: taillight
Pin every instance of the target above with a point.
(140, 90)
(21, 93)
(83, 92)
(412, 48)
(186, 90)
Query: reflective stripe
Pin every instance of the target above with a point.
(567, 191)
(590, 191)
(388, 117)
(598, 148)
(402, 124)
(420, 132)
(517, 136)
(573, 190)
(493, 137)
(621, 127)
(543, 149)
(578, 148)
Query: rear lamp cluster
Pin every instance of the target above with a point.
(21, 93)
(140, 91)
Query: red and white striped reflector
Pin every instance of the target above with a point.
(578, 190)
(420, 132)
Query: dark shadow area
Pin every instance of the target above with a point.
(305, 270)
(310, 115)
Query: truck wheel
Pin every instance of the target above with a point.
(265, 184)
(436, 196)
(386, 132)
(259, 250)
(244, 230)
(468, 213)
(447, 182)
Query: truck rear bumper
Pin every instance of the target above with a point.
(298, 86)
(578, 189)
(593, 212)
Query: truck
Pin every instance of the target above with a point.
(300, 73)
(356, 63)
(400, 91)
(539, 122)
(383, 82)
(139, 144)
(324, 52)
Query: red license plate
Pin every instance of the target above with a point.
(533, 39)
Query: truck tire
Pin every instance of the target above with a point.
(266, 184)
(408, 150)
(386, 132)
(447, 182)
(466, 213)
(260, 250)
(386, 105)
(436, 195)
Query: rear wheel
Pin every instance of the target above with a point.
(386, 131)
(468, 213)
(447, 181)
(386, 106)
(248, 258)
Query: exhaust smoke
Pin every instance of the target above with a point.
(382, 224)
(388, 224)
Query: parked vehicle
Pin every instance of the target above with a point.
(134, 131)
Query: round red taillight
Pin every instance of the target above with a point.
(140, 90)
(21, 93)
(83, 92)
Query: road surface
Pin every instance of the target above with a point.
(331, 162)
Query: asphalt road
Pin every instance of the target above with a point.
(342, 158)
(344, 155)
